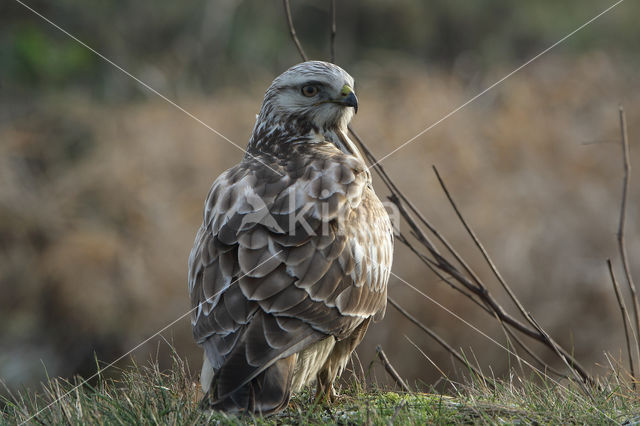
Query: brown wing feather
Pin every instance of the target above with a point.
(250, 269)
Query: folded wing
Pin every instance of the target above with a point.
(281, 262)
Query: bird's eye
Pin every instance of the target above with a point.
(309, 91)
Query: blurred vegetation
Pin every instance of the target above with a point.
(102, 183)
(206, 45)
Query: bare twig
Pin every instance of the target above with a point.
(510, 334)
(434, 268)
(625, 318)
(443, 375)
(478, 244)
(292, 30)
(622, 247)
(439, 340)
(553, 345)
(476, 287)
(564, 358)
(496, 273)
(480, 291)
(533, 355)
(332, 41)
(392, 371)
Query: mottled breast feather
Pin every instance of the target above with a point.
(286, 256)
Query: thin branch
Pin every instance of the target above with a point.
(533, 355)
(292, 30)
(622, 247)
(439, 340)
(477, 288)
(564, 358)
(433, 267)
(480, 291)
(625, 319)
(493, 268)
(478, 244)
(440, 260)
(392, 371)
(332, 41)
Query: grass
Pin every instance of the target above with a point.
(146, 395)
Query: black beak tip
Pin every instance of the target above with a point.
(352, 101)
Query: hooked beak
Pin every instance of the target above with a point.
(348, 98)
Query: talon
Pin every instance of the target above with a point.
(325, 395)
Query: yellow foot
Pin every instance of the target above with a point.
(327, 397)
(293, 406)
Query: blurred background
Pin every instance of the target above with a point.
(102, 182)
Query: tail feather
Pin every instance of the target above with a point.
(256, 375)
(267, 393)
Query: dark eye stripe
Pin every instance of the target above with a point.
(314, 83)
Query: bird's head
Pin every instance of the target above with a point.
(315, 92)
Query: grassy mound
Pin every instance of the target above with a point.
(146, 395)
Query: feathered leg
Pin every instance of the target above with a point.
(336, 363)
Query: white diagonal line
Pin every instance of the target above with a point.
(142, 83)
(425, 130)
(145, 341)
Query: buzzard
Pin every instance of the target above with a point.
(292, 260)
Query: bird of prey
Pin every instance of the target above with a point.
(292, 260)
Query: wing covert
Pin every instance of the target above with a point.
(311, 249)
